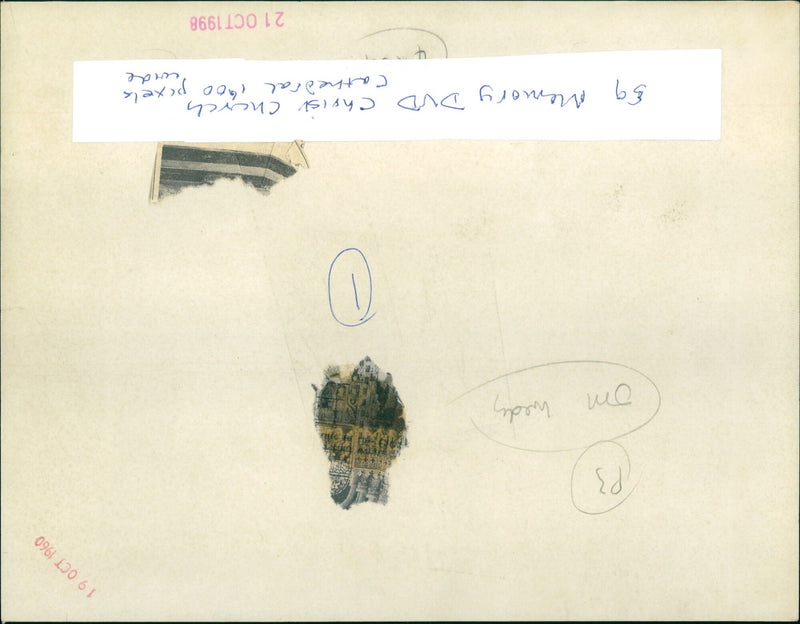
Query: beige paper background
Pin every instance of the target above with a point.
(157, 360)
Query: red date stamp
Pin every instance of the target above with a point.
(71, 573)
(236, 21)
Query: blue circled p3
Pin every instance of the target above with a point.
(348, 263)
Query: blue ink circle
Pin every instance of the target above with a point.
(364, 317)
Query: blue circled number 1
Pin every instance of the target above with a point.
(350, 288)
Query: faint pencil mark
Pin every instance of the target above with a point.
(167, 53)
(598, 483)
(294, 368)
(403, 43)
(562, 406)
(500, 329)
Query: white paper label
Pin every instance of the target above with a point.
(589, 96)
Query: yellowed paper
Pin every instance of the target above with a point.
(594, 344)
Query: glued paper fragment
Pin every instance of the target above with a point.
(179, 165)
(360, 419)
